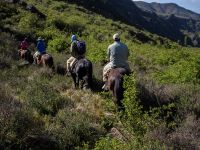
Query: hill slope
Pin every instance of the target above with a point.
(39, 109)
(181, 19)
(167, 9)
(182, 30)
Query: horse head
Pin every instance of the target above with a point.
(82, 71)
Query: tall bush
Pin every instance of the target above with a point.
(137, 120)
(58, 44)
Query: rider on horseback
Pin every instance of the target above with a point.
(118, 56)
(24, 44)
(41, 49)
(23, 51)
(75, 52)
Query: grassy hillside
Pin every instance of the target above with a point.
(39, 109)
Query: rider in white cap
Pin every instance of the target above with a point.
(118, 56)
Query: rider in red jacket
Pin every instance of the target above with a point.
(24, 44)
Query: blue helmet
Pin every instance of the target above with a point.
(73, 38)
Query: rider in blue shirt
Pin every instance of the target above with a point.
(41, 49)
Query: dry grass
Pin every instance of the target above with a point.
(86, 102)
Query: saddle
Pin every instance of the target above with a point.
(123, 71)
(40, 56)
(72, 66)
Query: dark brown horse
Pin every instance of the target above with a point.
(82, 71)
(115, 84)
(45, 60)
(26, 55)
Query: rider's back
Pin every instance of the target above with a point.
(118, 53)
(41, 46)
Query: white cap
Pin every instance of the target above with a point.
(116, 36)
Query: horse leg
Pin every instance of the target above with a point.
(26, 57)
(74, 79)
(44, 62)
(19, 54)
(88, 82)
(78, 82)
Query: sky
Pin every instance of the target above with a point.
(193, 5)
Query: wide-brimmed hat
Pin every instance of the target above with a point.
(39, 39)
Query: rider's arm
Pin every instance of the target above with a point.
(73, 49)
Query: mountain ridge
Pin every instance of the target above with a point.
(168, 9)
(181, 30)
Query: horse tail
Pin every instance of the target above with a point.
(118, 91)
(51, 62)
(89, 74)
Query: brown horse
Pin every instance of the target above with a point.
(45, 60)
(115, 84)
(26, 55)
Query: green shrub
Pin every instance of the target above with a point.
(57, 44)
(16, 122)
(110, 144)
(138, 121)
(74, 27)
(48, 33)
(44, 98)
(131, 144)
(180, 72)
(28, 23)
(71, 129)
